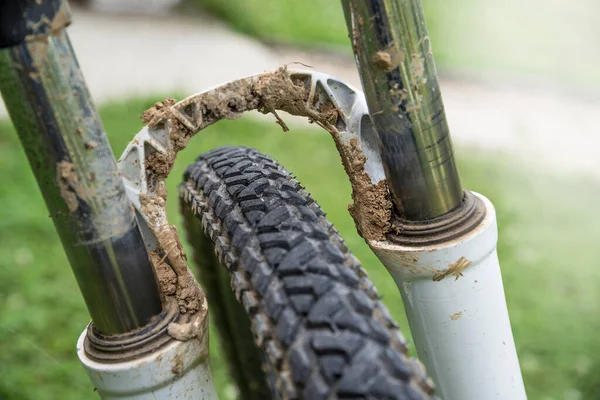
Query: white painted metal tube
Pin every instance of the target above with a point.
(456, 309)
(180, 370)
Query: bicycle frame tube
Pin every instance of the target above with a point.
(50, 106)
(398, 73)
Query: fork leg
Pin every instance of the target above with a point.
(51, 108)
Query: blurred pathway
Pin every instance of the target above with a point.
(125, 56)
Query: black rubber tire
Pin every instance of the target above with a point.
(227, 313)
(313, 310)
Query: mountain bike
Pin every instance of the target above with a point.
(297, 314)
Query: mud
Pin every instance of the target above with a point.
(372, 208)
(90, 145)
(267, 93)
(329, 114)
(71, 189)
(177, 367)
(382, 60)
(167, 278)
(158, 112)
(455, 269)
(456, 316)
(65, 175)
(178, 281)
(193, 329)
(61, 19)
(277, 91)
(160, 163)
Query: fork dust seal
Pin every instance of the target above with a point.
(147, 363)
(130, 345)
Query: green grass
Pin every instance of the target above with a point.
(535, 37)
(305, 23)
(548, 247)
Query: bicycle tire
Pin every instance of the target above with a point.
(312, 309)
(227, 313)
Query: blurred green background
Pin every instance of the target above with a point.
(551, 38)
(548, 236)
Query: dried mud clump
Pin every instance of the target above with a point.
(160, 163)
(167, 278)
(174, 276)
(229, 101)
(382, 60)
(277, 91)
(372, 208)
(158, 112)
(329, 113)
(71, 188)
(68, 182)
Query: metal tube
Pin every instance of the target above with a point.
(50, 106)
(398, 73)
(457, 312)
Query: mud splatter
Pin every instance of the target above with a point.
(455, 269)
(456, 316)
(382, 60)
(167, 278)
(372, 207)
(187, 292)
(90, 145)
(71, 189)
(177, 367)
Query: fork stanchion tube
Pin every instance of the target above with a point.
(50, 106)
(398, 74)
(442, 254)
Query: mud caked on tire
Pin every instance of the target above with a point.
(307, 309)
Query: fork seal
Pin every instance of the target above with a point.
(454, 224)
(134, 344)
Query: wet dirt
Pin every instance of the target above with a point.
(329, 113)
(71, 189)
(177, 367)
(160, 163)
(171, 268)
(91, 145)
(456, 316)
(455, 269)
(186, 331)
(61, 19)
(382, 60)
(278, 90)
(67, 179)
(167, 278)
(158, 112)
(372, 207)
(267, 93)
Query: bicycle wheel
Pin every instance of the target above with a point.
(312, 309)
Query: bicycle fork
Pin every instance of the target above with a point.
(439, 244)
(441, 250)
(127, 350)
